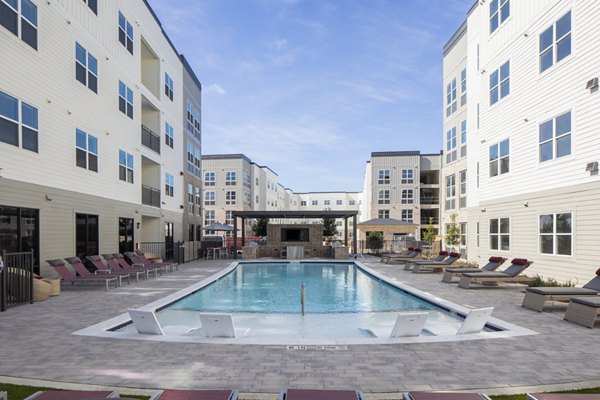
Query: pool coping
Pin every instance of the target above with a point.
(103, 329)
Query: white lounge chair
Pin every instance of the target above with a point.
(146, 323)
(407, 324)
(219, 325)
(473, 323)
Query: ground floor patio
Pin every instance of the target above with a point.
(37, 347)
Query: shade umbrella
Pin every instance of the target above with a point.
(215, 226)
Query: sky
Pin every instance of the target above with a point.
(310, 88)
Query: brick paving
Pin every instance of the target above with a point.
(36, 343)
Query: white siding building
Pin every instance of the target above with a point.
(533, 187)
(84, 101)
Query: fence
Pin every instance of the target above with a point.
(16, 279)
(391, 246)
(179, 252)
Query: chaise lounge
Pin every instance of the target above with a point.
(100, 266)
(583, 310)
(114, 265)
(309, 394)
(83, 271)
(195, 395)
(142, 256)
(492, 265)
(431, 266)
(136, 260)
(136, 267)
(439, 258)
(510, 274)
(444, 396)
(412, 253)
(67, 275)
(407, 324)
(72, 395)
(474, 322)
(536, 297)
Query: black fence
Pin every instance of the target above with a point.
(390, 246)
(16, 279)
(179, 252)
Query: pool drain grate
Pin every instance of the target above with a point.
(322, 348)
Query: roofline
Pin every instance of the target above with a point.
(460, 32)
(344, 192)
(395, 153)
(473, 7)
(296, 214)
(226, 157)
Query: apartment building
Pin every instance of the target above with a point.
(533, 185)
(335, 201)
(91, 128)
(454, 161)
(403, 186)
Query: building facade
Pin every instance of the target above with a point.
(85, 99)
(533, 188)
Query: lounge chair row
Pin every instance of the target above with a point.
(294, 394)
(113, 270)
(411, 253)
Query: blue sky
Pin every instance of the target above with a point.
(311, 87)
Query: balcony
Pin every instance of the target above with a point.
(429, 201)
(434, 220)
(150, 196)
(150, 139)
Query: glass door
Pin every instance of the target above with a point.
(126, 242)
(19, 232)
(169, 240)
(86, 235)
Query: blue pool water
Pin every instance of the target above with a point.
(275, 288)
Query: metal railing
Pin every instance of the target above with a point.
(429, 200)
(434, 220)
(179, 252)
(150, 196)
(16, 279)
(150, 139)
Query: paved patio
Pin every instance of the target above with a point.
(36, 344)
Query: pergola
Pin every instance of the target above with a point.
(292, 215)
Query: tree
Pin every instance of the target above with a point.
(260, 227)
(453, 233)
(329, 228)
(429, 234)
(375, 241)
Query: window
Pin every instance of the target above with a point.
(326, 202)
(384, 177)
(407, 176)
(556, 234)
(407, 215)
(451, 104)
(555, 42)
(230, 178)
(463, 138)
(125, 166)
(463, 234)
(168, 86)
(246, 179)
(86, 235)
(315, 202)
(230, 197)
(499, 12)
(463, 87)
(463, 189)
(555, 137)
(209, 217)
(93, 5)
(11, 123)
(302, 203)
(191, 197)
(499, 154)
(500, 83)
(169, 184)
(338, 223)
(352, 202)
(451, 192)
(338, 202)
(86, 151)
(86, 68)
(384, 197)
(125, 100)
(500, 234)
(477, 234)
(11, 13)
(229, 217)
(168, 135)
(125, 33)
(209, 179)
(384, 214)
(407, 196)
(451, 146)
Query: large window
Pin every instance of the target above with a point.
(86, 68)
(230, 197)
(21, 21)
(383, 177)
(500, 158)
(556, 234)
(230, 178)
(209, 198)
(86, 150)
(383, 197)
(451, 192)
(500, 234)
(407, 215)
(86, 235)
(383, 214)
(407, 176)
(125, 166)
(168, 86)
(463, 234)
(555, 42)
(500, 83)
(169, 185)
(499, 12)
(463, 138)
(209, 217)
(451, 103)
(125, 33)
(125, 100)
(555, 137)
(407, 196)
(463, 189)
(463, 87)
(169, 135)
(209, 179)
(451, 146)
(14, 123)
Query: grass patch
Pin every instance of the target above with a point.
(21, 392)
(523, 396)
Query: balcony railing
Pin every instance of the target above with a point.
(434, 220)
(430, 200)
(150, 139)
(150, 196)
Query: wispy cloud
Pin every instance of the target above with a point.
(215, 88)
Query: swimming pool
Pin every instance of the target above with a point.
(263, 298)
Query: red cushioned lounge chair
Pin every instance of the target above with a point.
(510, 274)
(136, 267)
(435, 266)
(308, 394)
(444, 396)
(492, 265)
(67, 275)
(100, 266)
(195, 395)
(136, 260)
(142, 256)
(113, 264)
(439, 258)
(81, 270)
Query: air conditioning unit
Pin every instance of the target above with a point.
(592, 166)
(592, 84)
